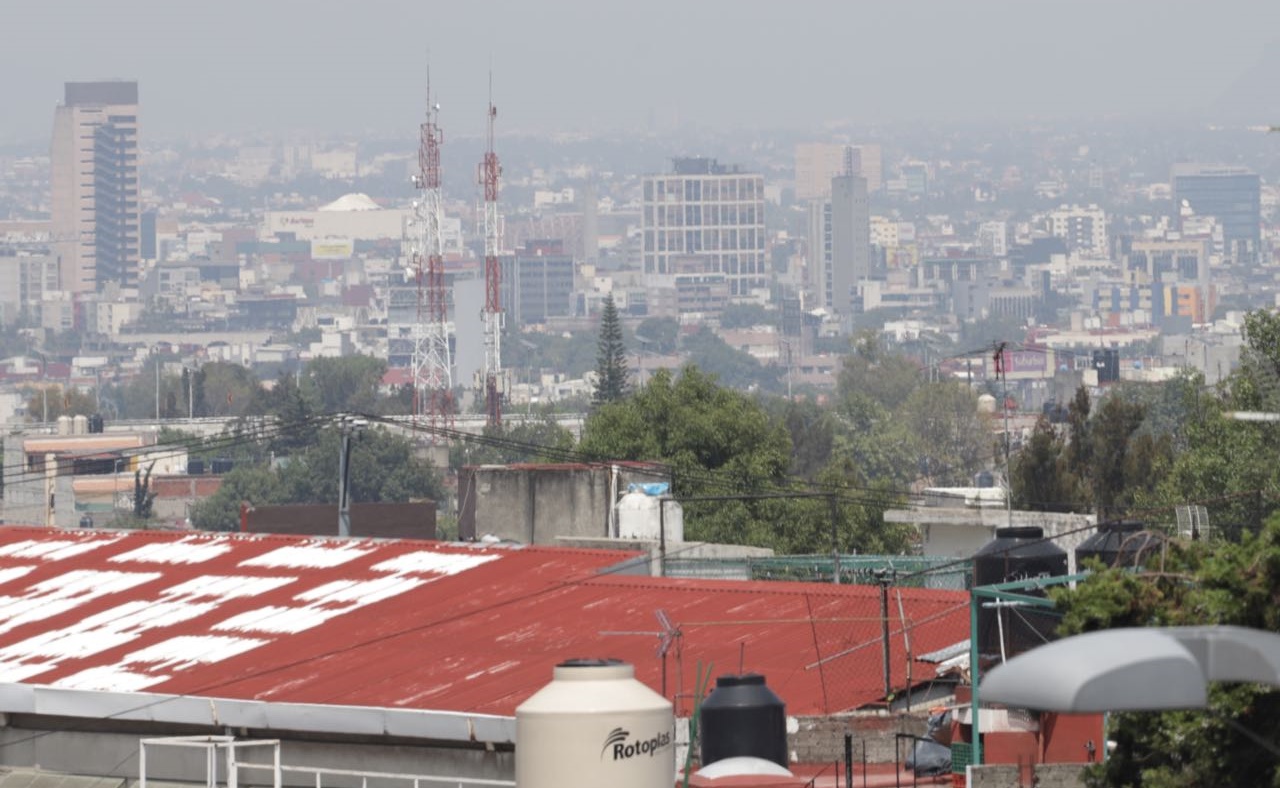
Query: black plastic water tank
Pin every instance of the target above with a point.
(1018, 553)
(742, 717)
(1125, 543)
(221, 465)
(195, 466)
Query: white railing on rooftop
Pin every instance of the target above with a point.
(225, 750)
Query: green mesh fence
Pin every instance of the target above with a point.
(908, 571)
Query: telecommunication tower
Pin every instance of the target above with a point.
(490, 171)
(432, 361)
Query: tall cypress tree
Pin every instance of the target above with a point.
(611, 357)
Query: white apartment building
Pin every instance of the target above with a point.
(708, 210)
(1083, 228)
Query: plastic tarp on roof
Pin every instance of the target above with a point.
(1145, 669)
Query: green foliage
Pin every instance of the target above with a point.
(143, 496)
(383, 468)
(747, 315)
(1041, 479)
(735, 368)
(663, 334)
(952, 439)
(57, 401)
(611, 357)
(1191, 583)
(524, 441)
(343, 385)
(716, 441)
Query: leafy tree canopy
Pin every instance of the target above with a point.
(1190, 583)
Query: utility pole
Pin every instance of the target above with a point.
(1002, 371)
(156, 360)
(349, 427)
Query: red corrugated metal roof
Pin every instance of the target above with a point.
(421, 625)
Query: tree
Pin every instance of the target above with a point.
(1196, 583)
(57, 401)
(1041, 480)
(344, 385)
(143, 496)
(662, 332)
(715, 441)
(383, 468)
(524, 441)
(733, 367)
(953, 438)
(611, 357)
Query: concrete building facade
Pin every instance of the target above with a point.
(706, 209)
(95, 216)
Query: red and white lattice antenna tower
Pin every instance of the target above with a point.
(490, 171)
(432, 361)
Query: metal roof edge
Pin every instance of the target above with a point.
(256, 714)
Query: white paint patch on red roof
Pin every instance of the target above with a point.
(315, 555)
(191, 550)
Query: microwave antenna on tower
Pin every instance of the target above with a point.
(490, 171)
(432, 360)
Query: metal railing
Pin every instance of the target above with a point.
(320, 777)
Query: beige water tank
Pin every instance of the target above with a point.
(595, 726)
(986, 404)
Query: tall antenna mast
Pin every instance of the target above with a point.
(490, 171)
(432, 360)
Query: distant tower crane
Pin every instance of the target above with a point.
(432, 361)
(490, 171)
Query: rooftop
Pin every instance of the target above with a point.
(418, 625)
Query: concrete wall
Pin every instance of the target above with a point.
(534, 504)
(821, 739)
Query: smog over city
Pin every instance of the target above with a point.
(906, 336)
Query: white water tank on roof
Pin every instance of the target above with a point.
(986, 404)
(650, 517)
(80, 425)
(594, 725)
(64, 425)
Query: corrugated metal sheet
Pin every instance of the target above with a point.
(419, 625)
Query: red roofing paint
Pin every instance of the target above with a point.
(423, 625)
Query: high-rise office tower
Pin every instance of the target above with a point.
(839, 243)
(1232, 195)
(706, 210)
(850, 239)
(818, 162)
(96, 221)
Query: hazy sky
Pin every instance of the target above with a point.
(571, 65)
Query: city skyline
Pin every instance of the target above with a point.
(573, 66)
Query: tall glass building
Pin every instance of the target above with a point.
(1232, 195)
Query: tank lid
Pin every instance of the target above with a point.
(592, 669)
(590, 662)
(1123, 526)
(1020, 532)
(745, 679)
